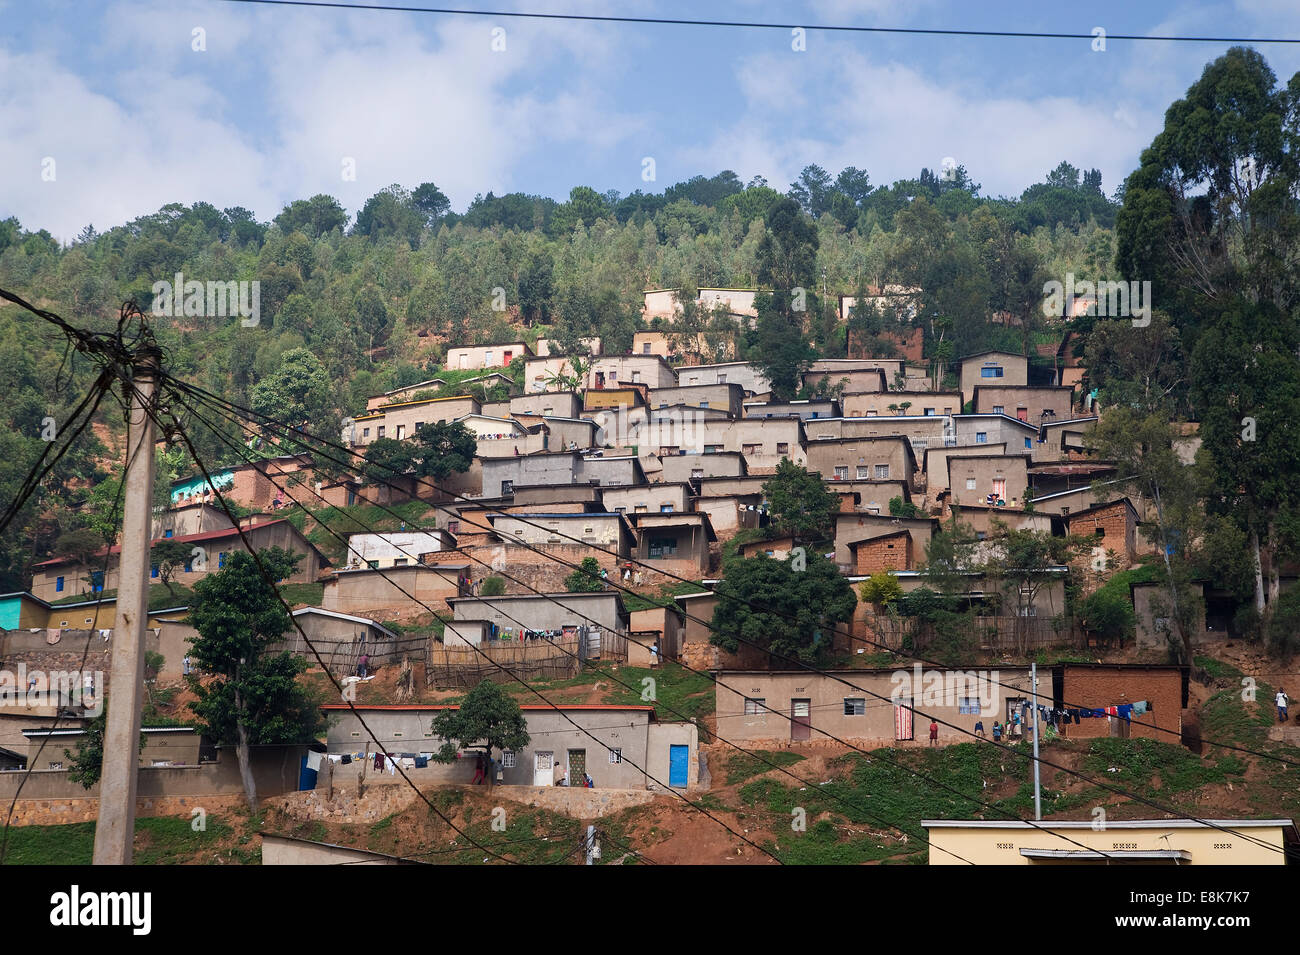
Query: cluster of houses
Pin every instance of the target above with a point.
(651, 462)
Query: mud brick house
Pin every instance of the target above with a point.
(863, 459)
(887, 552)
(974, 479)
(1034, 405)
(398, 395)
(877, 403)
(396, 591)
(1099, 685)
(991, 368)
(861, 526)
(401, 421)
(728, 397)
(499, 355)
(63, 577)
(872, 706)
(1114, 525)
(252, 485)
(675, 543)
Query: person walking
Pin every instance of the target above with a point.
(979, 729)
(934, 733)
(1281, 705)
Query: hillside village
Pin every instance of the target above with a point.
(852, 524)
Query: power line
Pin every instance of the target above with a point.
(760, 25)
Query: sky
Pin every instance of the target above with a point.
(109, 110)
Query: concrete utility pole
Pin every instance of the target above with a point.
(1038, 795)
(593, 851)
(117, 786)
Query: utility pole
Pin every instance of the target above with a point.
(117, 786)
(593, 851)
(1038, 795)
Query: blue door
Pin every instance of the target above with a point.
(678, 765)
(306, 777)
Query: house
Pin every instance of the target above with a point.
(896, 302)
(778, 548)
(857, 526)
(500, 475)
(335, 634)
(255, 485)
(935, 463)
(401, 421)
(871, 707)
(728, 372)
(398, 395)
(22, 610)
(623, 370)
(1113, 524)
(921, 431)
(609, 531)
(1218, 842)
(696, 466)
(763, 442)
(988, 479)
(1098, 685)
(863, 459)
(395, 548)
(558, 611)
(562, 404)
(991, 368)
(710, 347)
(61, 577)
(889, 551)
(197, 518)
(676, 544)
(499, 355)
(812, 408)
(620, 747)
(660, 498)
(890, 403)
(544, 346)
(554, 373)
(728, 397)
(396, 591)
(607, 398)
(662, 303)
(972, 429)
(1151, 606)
(1034, 404)
(666, 626)
(163, 746)
(826, 382)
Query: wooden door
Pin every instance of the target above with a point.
(800, 719)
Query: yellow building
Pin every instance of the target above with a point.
(1125, 842)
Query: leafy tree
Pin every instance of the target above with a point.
(430, 200)
(800, 503)
(445, 448)
(252, 699)
(170, 556)
(493, 587)
(387, 458)
(786, 260)
(586, 579)
(901, 508)
(299, 391)
(86, 762)
(792, 614)
(881, 588)
(312, 217)
(391, 213)
(82, 545)
(1108, 613)
(488, 717)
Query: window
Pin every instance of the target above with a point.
(855, 706)
(56, 765)
(663, 547)
(645, 348)
(401, 432)
(997, 409)
(153, 571)
(453, 527)
(842, 473)
(697, 473)
(713, 449)
(96, 580)
(782, 448)
(400, 561)
(1100, 532)
(882, 472)
(1000, 488)
(704, 405)
(372, 564)
(981, 437)
(380, 433)
(397, 735)
(991, 371)
(665, 508)
(167, 533)
(968, 705)
(755, 707)
(981, 535)
(928, 412)
(722, 379)
(970, 484)
(862, 472)
(1022, 414)
(365, 432)
(1029, 444)
(752, 448)
(58, 585)
(507, 487)
(636, 377)
(418, 426)
(615, 756)
(221, 559)
(507, 759)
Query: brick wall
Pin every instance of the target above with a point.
(1110, 686)
(1119, 533)
(892, 552)
(58, 812)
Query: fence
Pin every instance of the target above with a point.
(455, 667)
(1017, 634)
(341, 656)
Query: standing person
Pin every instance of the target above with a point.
(363, 666)
(934, 733)
(997, 732)
(654, 654)
(587, 781)
(604, 578)
(1281, 705)
(480, 770)
(561, 775)
(636, 578)
(979, 728)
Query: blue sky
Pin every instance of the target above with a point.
(134, 117)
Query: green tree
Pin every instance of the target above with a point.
(86, 762)
(790, 613)
(252, 698)
(586, 579)
(488, 717)
(800, 503)
(493, 587)
(171, 557)
(445, 448)
(786, 264)
(881, 588)
(298, 392)
(312, 217)
(387, 458)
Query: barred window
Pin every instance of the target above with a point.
(616, 755)
(855, 706)
(755, 707)
(508, 759)
(969, 704)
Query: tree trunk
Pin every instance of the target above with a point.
(1274, 584)
(1259, 573)
(1183, 637)
(241, 750)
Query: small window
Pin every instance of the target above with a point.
(1029, 444)
(90, 620)
(697, 472)
(991, 371)
(1100, 532)
(969, 705)
(970, 484)
(615, 756)
(356, 735)
(507, 487)
(665, 508)
(842, 473)
(981, 535)
(862, 472)
(96, 580)
(782, 448)
(153, 571)
(381, 431)
(507, 759)
(63, 623)
(167, 533)
(755, 707)
(704, 405)
(221, 559)
(58, 765)
(722, 379)
(372, 564)
(58, 585)
(981, 437)
(365, 432)
(882, 472)
(397, 735)
(928, 412)
(855, 706)
(401, 432)
(997, 409)
(645, 348)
